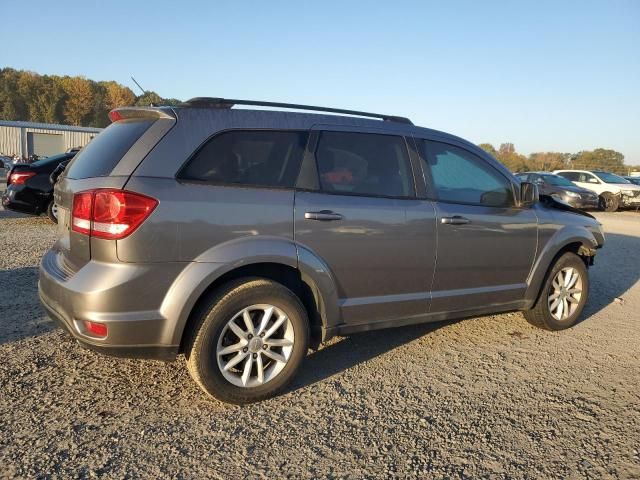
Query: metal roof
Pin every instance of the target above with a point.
(49, 126)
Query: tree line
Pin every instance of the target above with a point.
(598, 159)
(32, 97)
(29, 96)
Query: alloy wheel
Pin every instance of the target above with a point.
(255, 345)
(565, 293)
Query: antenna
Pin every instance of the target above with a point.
(134, 81)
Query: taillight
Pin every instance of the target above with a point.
(18, 178)
(81, 212)
(109, 214)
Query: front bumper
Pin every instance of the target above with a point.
(105, 293)
(583, 203)
(630, 201)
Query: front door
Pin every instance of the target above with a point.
(486, 243)
(366, 225)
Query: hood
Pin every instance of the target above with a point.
(548, 201)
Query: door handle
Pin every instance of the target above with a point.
(323, 216)
(455, 220)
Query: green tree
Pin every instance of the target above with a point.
(149, 98)
(600, 158)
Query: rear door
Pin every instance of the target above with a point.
(486, 243)
(365, 223)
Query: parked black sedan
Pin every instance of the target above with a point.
(560, 187)
(29, 189)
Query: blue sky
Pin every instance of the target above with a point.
(545, 75)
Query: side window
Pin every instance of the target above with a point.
(459, 176)
(573, 176)
(260, 158)
(363, 164)
(523, 177)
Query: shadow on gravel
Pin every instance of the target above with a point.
(20, 313)
(616, 270)
(356, 349)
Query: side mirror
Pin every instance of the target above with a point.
(593, 180)
(528, 194)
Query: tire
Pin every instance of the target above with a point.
(542, 315)
(52, 212)
(609, 202)
(213, 334)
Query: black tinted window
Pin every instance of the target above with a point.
(263, 158)
(104, 152)
(570, 175)
(363, 164)
(460, 176)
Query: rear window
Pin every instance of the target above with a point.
(104, 152)
(258, 158)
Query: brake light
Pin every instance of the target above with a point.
(109, 213)
(18, 178)
(115, 115)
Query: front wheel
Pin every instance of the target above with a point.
(563, 295)
(249, 341)
(609, 202)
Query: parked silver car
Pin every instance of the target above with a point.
(242, 237)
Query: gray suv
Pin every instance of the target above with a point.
(241, 238)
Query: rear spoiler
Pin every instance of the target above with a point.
(126, 113)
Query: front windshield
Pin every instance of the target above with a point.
(557, 181)
(607, 177)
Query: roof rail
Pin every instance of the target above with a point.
(212, 102)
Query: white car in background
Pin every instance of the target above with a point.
(613, 190)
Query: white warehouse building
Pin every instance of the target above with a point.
(42, 139)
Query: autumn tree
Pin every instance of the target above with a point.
(547, 161)
(117, 96)
(79, 99)
(513, 160)
(487, 147)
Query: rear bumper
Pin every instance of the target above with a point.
(105, 293)
(18, 199)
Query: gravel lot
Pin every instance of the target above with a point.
(490, 396)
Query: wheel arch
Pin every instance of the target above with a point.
(276, 259)
(578, 241)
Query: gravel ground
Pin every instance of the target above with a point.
(491, 396)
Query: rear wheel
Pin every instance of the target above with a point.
(563, 295)
(609, 202)
(249, 341)
(52, 211)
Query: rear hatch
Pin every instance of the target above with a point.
(106, 162)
